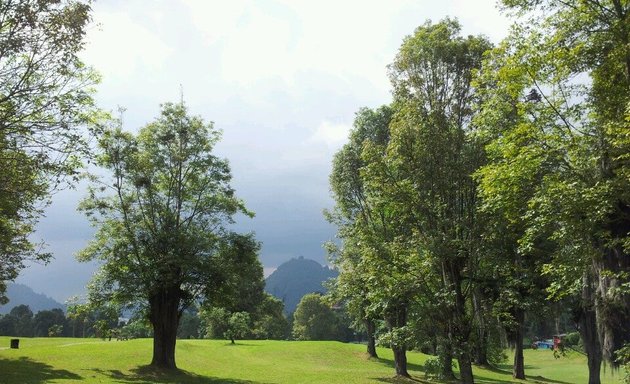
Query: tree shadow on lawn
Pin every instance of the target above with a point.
(400, 379)
(506, 369)
(151, 375)
(479, 378)
(25, 370)
(390, 363)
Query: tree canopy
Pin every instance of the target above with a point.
(162, 221)
(45, 101)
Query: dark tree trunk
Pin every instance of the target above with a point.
(371, 339)
(481, 345)
(446, 357)
(465, 367)
(400, 361)
(612, 305)
(164, 316)
(588, 330)
(398, 319)
(461, 326)
(518, 371)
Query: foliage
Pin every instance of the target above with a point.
(424, 180)
(269, 321)
(136, 328)
(554, 111)
(162, 218)
(189, 325)
(314, 319)
(23, 320)
(55, 330)
(623, 359)
(45, 99)
(237, 326)
(215, 321)
(45, 321)
(433, 368)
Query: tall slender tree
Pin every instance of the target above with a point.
(432, 157)
(353, 213)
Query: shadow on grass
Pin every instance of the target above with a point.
(151, 375)
(506, 369)
(399, 380)
(390, 363)
(25, 370)
(418, 375)
(530, 379)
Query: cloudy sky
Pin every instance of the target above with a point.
(282, 79)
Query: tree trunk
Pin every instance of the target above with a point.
(164, 316)
(398, 319)
(371, 339)
(400, 361)
(588, 330)
(465, 367)
(446, 357)
(481, 345)
(518, 371)
(461, 326)
(612, 304)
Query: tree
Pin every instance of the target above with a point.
(7, 325)
(189, 325)
(352, 214)
(45, 320)
(563, 76)
(376, 277)
(313, 319)
(45, 99)
(23, 320)
(237, 326)
(162, 234)
(269, 320)
(426, 174)
(78, 314)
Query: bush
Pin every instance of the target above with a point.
(433, 368)
(572, 340)
(623, 358)
(136, 329)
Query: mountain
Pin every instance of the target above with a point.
(21, 294)
(295, 278)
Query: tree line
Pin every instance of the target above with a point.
(493, 187)
(314, 319)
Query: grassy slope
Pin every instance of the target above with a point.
(59, 360)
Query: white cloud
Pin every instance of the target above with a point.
(332, 134)
(120, 47)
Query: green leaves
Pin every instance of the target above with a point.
(45, 105)
(164, 221)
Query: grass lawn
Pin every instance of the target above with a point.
(64, 360)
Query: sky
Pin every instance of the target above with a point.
(282, 80)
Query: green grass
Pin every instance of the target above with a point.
(62, 360)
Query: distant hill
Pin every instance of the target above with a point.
(21, 294)
(296, 278)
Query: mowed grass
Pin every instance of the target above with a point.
(65, 360)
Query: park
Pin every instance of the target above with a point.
(471, 191)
